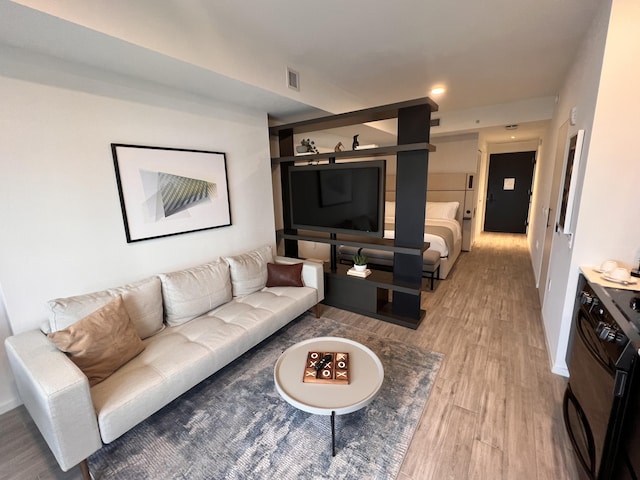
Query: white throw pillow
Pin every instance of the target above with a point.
(249, 270)
(445, 210)
(189, 293)
(143, 301)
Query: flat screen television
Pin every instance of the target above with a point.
(338, 197)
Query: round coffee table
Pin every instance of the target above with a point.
(365, 379)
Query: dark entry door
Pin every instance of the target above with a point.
(509, 192)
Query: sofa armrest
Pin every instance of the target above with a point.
(312, 273)
(56, 394)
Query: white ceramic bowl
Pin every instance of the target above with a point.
(608, 266)
(621, 274)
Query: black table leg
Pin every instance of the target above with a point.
(333, 433)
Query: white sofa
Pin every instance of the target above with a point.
(192, 323)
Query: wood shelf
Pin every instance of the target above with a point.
(365, 152)
(355, 241)
(384, 112)
(371, 295)
(378, 278)
(385, 314)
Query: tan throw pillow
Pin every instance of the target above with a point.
(280, 275)
(100, 343)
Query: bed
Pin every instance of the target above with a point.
(449, 203)
(443, 232)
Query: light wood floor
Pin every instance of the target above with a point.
(495, 409)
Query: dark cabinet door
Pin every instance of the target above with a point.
(627, 464)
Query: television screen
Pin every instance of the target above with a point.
(338, 197)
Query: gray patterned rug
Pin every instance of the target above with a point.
(234, 425)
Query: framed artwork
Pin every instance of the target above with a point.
(169, 191)
(570, 182)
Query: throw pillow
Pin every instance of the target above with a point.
(281, 275)
(249, 270)
(142, 299)
(189, 293)
(100, 343)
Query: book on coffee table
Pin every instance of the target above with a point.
(364, 274)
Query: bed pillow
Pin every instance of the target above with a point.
(101, 342)
(281, 275)
(249, 270)
(445, 210)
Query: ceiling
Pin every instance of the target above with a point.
(349, 54)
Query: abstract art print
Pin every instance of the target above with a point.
(168, 191)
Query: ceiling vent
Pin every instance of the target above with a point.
(293, 79)
(511, 127)
(435, 122)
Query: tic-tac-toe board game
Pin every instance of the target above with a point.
(327, 367)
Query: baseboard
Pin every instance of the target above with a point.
(556, 368)
(560, 370)
(9, 405)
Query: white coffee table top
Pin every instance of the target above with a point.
(365, 371)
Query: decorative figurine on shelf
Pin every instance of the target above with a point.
(307, 146)
(355, 142)
(339, 147)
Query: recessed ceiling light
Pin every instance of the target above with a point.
(437, 90)
(513, 137)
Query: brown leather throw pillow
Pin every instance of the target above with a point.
(281, 275)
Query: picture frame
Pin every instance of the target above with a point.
(570, 182)
(170, 191)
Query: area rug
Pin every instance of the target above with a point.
(234, 425)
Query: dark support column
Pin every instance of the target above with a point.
(411, 196)
(333, 249)
(333, 433)
(285, 144)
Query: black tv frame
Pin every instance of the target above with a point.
(380, 165)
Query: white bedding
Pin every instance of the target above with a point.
(437, 242)
(445, 222)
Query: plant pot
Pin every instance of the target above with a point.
(360, 268)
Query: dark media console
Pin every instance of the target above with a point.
(390, 296)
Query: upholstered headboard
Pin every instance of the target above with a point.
(444, 187)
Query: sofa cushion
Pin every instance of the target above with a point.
(192, 292)
(143, 301)
(283, 275)
(249, 270)
(101, 342)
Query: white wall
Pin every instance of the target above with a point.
(62, 230)
(608, 224)
(8, 390)
(454, 153)
(581, 90)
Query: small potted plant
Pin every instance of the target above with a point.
(307, 146)
(360, 262)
